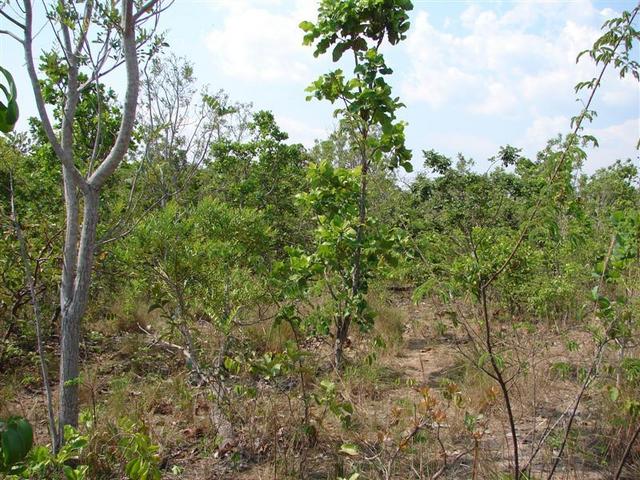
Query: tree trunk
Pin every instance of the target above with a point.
(342, 332)
(342, 325)
(362, 218)
(72, 312)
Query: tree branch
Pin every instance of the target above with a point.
(84, 27)
(145, 9)
(37, 317)
(119, 149)
(65, 157)
(12, 20)
(12, 35)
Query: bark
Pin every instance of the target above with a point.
(342, 332)
(72, 314)
(69, 253)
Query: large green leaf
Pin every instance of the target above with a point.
(8, 112)
(16, 439)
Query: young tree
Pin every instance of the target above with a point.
(119, 38)
(201, 264)
(177, 125)
(360, 27)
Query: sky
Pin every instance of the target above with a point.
(474, 75)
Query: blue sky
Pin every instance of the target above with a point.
(474, 75)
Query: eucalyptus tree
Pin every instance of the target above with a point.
(359, 28)
(92, 39)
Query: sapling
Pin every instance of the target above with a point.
(358, 29)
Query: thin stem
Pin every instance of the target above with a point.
(627, 451)
(501, 382)
(12, 20)
(12, 35)
(37, 317)
(589, 378)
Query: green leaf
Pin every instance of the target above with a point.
(349, 449)
(12, 447)
(338, 51)
(69, 473)
(306, 26)
(470, 421)
(26, 433)
(482, 359)
(328, 385)
(614, 393)
(16, 440)
(9, 112)
(354, 476)
(12, 86)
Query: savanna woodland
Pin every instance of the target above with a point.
(185, 293)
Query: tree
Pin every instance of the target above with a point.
(174, 134)
(263, 172)
(332, 200)
(360, 27)
(120, 38)
(201, 263)
(176, 129)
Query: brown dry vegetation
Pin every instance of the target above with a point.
(411, 382)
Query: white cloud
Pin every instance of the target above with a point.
(627, 94)
(543, 128)
(524, 59)
(608, 12)
(432, 79)
(261, 43)
(616, 142)
(301, 132)
(499, 100)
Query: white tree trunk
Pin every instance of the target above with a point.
(72, 314)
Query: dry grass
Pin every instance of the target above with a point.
(390, 370)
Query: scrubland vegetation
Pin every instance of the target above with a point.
(187, 294)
